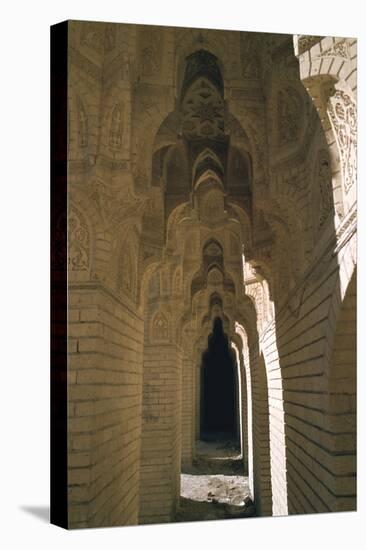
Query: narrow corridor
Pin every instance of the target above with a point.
(210, 262)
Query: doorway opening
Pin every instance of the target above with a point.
(215, 486)
(219, 389)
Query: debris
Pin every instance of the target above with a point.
(214, 487)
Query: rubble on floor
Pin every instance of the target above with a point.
(214, 487)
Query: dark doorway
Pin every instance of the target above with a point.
(219, 388)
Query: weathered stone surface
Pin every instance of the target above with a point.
(211, 174)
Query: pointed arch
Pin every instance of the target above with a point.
(160, 327)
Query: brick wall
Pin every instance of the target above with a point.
(104, 390)
(271, 367)
(188, 404)
(312, 347)
(161, 433)
(341, 420)
(260, 434)
(301, 344)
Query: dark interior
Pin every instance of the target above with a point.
(218, 387)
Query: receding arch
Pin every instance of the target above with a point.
(213, 254)
(215, 276)
(207, 162)
(239, 170)
(187, 45)
(202, 63)
(215, 300)
(259, 449)
(219, 387)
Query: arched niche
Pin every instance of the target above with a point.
(207, 160)
(160, 328)
(213, 255)
(239, 170)
(215, 277)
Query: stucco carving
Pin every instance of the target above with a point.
(342, 114)
(126, 271)
(79, 241)
(82, 123)
(160, 328)
(289, 115)
(324, 178)
(116, 127)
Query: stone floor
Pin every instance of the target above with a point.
(215, 487)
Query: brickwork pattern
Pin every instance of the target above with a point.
(161, 433)
(104, 424)
(258, 229)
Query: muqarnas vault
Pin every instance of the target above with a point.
(203, 274)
